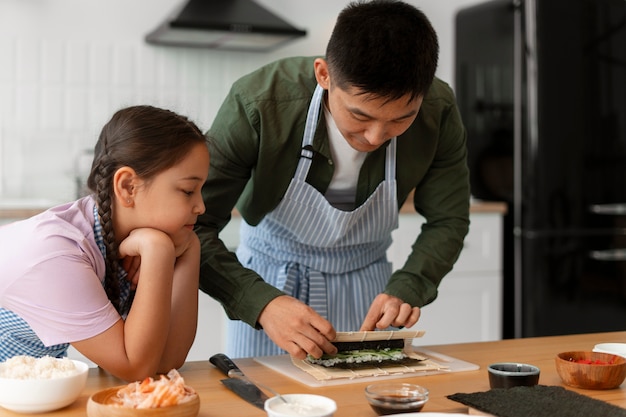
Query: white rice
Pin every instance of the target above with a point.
(28, 367)
(359, 356)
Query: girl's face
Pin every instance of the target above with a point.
(172, 200)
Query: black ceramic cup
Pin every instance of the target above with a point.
(511, 374)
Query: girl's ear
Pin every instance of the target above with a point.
(124, 186)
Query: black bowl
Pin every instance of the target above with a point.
(510, 374)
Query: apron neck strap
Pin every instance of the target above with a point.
(306, 156)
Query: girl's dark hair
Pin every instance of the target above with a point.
(147, 139)
(385, 47)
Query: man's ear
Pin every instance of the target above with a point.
(125, 186)
(322, 75)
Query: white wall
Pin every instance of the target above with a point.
(67, 65)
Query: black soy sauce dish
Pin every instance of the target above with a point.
(511, 374)
(388, 398)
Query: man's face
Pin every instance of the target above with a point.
(367, 121)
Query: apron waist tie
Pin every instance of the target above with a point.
(306, 284)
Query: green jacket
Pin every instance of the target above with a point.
(255, 143)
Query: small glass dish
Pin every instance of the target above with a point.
(396, 397)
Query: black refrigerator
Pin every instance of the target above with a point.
(541, 86)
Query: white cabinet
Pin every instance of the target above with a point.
(469, 305)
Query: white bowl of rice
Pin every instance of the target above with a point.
(36, 385)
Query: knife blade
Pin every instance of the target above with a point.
(237, 382)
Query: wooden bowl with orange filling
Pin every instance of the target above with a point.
(167, 396)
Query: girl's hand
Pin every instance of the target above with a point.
(146, 241)
(131, 265)
(139, 243)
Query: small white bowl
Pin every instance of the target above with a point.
(300, 405)
(41, 395)
(613, 348)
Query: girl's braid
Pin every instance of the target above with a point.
(103, 174)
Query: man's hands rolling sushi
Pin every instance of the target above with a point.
(297, 328)
(387, 310)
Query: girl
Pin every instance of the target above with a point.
(114, 274)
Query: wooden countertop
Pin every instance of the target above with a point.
(488, 207)
(22, 208)
(475, 207)
(217, 400)
(18, 213)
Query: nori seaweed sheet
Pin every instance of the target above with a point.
(369, 345)
(537, 401)
(377, 364)
(372, 345)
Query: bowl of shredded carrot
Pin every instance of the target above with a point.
(165, 396)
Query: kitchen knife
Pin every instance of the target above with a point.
(237, 381)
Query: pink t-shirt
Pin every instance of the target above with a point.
(51, 274)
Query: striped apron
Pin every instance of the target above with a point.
(335, 261)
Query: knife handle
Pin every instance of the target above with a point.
(225, 364)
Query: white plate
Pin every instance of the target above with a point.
(613, 348)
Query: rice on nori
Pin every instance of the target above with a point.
(361, 356)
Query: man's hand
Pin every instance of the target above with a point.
(297, 328)
(387, 310)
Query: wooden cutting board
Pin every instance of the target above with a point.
(284, 365)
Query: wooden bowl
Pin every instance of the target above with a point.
(609, 375)
(99, 405)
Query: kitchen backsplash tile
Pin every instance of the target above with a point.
(76, 54)
(56, 95)
(52, 62)
(7, 69)
(27, 60)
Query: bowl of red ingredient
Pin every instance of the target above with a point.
(591, 370)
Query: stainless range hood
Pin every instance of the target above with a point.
(240, 25)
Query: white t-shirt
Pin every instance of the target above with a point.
(51, 274)
(347, 161)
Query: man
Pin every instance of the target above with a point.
(318, 154)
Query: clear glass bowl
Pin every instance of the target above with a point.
(396, 397)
